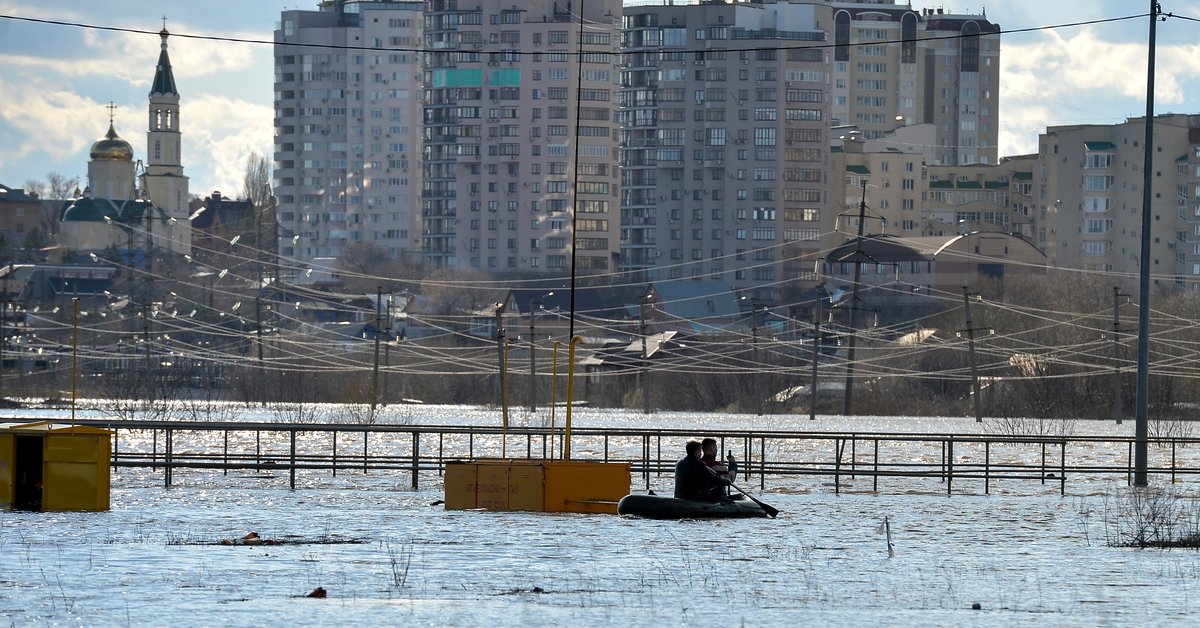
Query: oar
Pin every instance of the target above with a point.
(767, 508)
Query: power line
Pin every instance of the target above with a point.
(366, 48)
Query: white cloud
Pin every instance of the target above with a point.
(56, 122)
(219, 133)
(1060, 66)
(1082, 79)
(131, 58)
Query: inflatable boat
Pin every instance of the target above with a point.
(661, 507)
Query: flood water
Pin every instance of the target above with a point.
(1028, 558)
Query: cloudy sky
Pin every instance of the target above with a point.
(55, 81)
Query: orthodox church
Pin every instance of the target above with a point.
(128, 206)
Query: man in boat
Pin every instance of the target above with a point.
(694, 480)
(724, 469)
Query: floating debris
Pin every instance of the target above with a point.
(254, 539)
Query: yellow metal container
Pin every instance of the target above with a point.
(525, 486)
(537, 485)
(491, 489)
(460, 485)
(47, 466)
(575, 486)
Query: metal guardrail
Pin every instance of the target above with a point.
(841, 456)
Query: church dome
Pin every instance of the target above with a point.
(87, 209)
(111, 147)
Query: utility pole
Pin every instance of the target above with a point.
(812, 403)
(862, 219)
(1141, 429)
(258, 262)
(1117, 294)
(148, 302)
(499, 350)
(387, 352)
(645, 363)
(754, 321)
(971, 355)
(532, 359)
(378, 323)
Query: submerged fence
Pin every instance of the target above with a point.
(958, 462)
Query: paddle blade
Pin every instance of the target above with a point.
(767, 508)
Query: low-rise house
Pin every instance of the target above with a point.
(898, 275)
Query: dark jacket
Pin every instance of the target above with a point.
(694, 481)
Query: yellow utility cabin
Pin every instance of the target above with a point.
(49, 467)
(536, 485)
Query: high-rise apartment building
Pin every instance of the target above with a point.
(348, 127)
(724, 143)
(894, 65)
(518, 131)
(1090, 186)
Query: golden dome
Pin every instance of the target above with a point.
(111, 147)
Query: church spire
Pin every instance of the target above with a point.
(164, 79)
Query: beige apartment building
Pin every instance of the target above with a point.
(982, 197)
(519, 130)
(1090, 187)
(724, 143)
(884, 177)
(348, 108)
(892, 64)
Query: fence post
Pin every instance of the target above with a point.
(1062, 468)
(987, 466)
(334, 462)
(416, 457)
(1043, 470)
(167, 458)
(837, 466)
(949, 465)
(875, 469)
(292, 465)
(762, 469)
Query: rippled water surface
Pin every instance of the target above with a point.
(155, 558)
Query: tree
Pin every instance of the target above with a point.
(256, 180)
(60, 187)
(36, 188)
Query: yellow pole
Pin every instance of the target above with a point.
(570, 391)
(504, 403)
(74, 355)
(553, 395)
